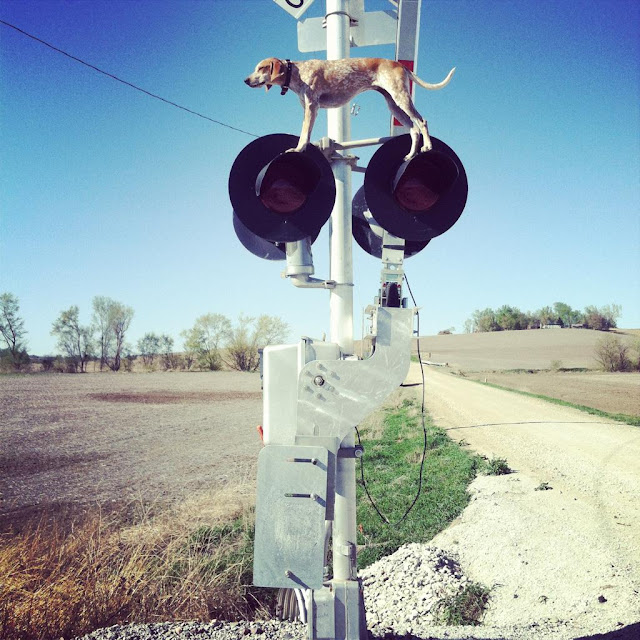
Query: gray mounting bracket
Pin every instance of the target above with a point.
(294, 489)
(351, 389)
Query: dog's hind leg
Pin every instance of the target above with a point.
(405, 120)
(419, 124)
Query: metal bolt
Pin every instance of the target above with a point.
(318, 381)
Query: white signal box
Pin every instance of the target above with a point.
(282, 365)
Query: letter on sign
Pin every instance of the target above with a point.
(295, 7)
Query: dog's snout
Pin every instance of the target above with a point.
(247, 80)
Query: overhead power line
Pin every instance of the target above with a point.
(129, 84)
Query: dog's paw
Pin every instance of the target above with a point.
(294, 150)
(409, 156)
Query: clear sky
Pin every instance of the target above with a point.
(106, 191)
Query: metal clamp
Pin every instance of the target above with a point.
(352, 21)
(351, 452)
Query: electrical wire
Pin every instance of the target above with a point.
(125, 82)
(424, 434)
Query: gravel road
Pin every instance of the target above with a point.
(559, 539)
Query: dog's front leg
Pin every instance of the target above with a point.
(310, 113)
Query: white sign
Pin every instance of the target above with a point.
(295, 7)
(373, 28)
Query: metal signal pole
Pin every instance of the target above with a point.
(341, 298)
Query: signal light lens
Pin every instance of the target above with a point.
(369, 234)
(279, 196)
(284, 184)
(420, 182)
(418, 200)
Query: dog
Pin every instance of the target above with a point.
(328, 84)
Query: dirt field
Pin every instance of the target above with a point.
(535, 349)
(73, 440)
(611, 392)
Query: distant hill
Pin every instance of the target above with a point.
(532, 349)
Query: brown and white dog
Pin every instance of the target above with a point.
(332, 83)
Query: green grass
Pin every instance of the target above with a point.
(495, 467)
(619, 417)
(392, 464)
(465, 608)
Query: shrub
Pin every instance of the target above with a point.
(465, 608)
(497, 467)
(612, 354)
(248, 336)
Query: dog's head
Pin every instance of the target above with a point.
(267, 72)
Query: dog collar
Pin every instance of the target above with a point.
(287, 80)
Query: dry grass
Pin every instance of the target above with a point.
(194, 562)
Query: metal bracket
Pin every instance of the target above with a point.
(330, 149)
(306, 282)
(348, 452)
(352, 21)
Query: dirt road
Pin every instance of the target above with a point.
(559, 539)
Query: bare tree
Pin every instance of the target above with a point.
(149, 346)
(74, 340)
(122, 316)
(102, 325)
(205, 339)
(111, 320)
(12, 328)
(251, 334)
(612, 354)
(168, 357)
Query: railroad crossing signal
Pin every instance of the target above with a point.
(315, 392)
(281, 197)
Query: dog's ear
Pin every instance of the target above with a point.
(277, 68)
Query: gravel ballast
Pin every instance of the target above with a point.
(403, 592)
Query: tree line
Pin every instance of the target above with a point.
(211, 343)
(508, 318)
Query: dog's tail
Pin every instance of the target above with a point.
(428, 85)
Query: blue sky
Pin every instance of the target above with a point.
(106, 191)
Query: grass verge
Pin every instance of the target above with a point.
(619, 417)
(393, 450)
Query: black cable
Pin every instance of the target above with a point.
(129, 84)
(424, 433)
